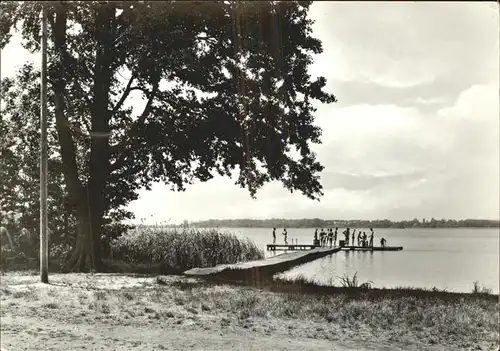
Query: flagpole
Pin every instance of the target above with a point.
(44, 257)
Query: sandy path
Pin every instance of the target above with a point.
(48, 334)
(32, 333)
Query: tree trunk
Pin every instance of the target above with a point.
(86, 255)
(89, 199)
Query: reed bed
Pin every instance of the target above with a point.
(180, 249)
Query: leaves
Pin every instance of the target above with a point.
(226, 84)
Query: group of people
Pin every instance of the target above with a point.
(285, 236)
(362, 238)
(329, 237)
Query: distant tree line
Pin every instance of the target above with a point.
(318, 223)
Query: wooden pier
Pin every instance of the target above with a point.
(292, 247)
(374, 248)
(262, 269)
(302, 247)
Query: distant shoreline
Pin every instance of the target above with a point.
(321, 223)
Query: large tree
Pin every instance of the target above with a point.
(225, 87)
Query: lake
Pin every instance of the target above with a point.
(445, 258)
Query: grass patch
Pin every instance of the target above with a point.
(51, 305)
(128, 295)
(408, 315)
(352, 287)
(173, 250)
(429, 316)
(28, 294)
(5, 291)
(100, 295)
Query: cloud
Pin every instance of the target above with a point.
(381, 139)
(426, 97)
(381, 161)
(433, 50)
(359, 182)
(430, 101)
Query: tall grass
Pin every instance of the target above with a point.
(353, 282)
(181, 249)
(344, 282)
(478, 289)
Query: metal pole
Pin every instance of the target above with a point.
(44, 257)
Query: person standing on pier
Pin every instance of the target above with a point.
(364, 239)
(322, 237)
(371, 238)
(285, 233)
(352, 237)
(382, 242)
(346, 236)
(330, 237)
(335, 237)
(274, 235)
(359, 238)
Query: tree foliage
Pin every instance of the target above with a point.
(20, 171)
(322, 223)
(224, 88)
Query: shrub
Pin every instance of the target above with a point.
(477, 289)
(353, 282)
(182, 248)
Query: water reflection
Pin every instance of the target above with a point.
(452, 258)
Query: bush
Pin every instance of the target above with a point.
(353, 282)
(182, 249)
(477, 289)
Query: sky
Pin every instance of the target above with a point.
(415, 132)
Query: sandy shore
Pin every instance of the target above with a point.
(119, 312)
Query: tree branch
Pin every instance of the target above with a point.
(125, 94)
(147, 108)
(134, 128)
(87, 125)
(66, 142)
(207, 39)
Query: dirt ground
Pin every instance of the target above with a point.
(118, 312)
